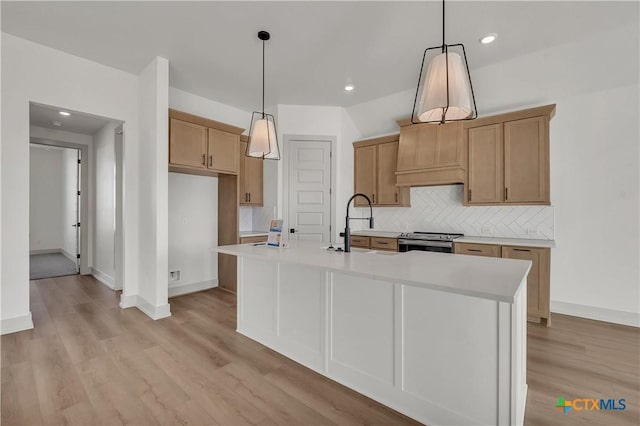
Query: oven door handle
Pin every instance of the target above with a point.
(425, 243)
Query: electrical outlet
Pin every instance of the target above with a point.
(486, 229)
(533, 231)
(174, 276)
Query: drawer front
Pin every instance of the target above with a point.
(247, 240)
(390, 244)
(486, 250)
(358, 241)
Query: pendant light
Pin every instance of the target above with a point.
(263, 139)
(444, 91)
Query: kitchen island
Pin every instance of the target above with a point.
(438, 337)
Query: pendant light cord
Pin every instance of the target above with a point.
(263, 78)
(443, 22)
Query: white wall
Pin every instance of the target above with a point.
(193, 223)
(104, 211)
(193, 204)
(45, 198)
(153, 97)
(32, 72)
(594, 161)
(69, 201)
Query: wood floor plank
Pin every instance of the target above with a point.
(276, 404)
(113, 401)
(18, 389)
(222, 404)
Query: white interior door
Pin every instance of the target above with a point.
(309, 190)
(78, 223)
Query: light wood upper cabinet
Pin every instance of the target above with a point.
(187, 144)
(430, 154)
(375, 163)
(508, 158)
(201, 146)
(223, 151)
(365, 173)
(387, 192)
(538, 291)
(251, 178)
(526, 160)
(485, 171)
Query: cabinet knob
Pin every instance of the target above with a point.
(210, 160)
(204, 159)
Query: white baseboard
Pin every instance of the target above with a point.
(128, 301)
(153, 311)
(44, 251)
(182, 289)
(71, 257)
(103, 278)
(596, 313)
(13, 325)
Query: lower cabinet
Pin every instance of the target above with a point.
(256, 239)
(374, 243)
(538, 280)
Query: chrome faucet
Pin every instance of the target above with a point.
(347, 230)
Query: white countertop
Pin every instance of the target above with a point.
(506, 241)
(374, 233)
(253, 234)
(483, 277)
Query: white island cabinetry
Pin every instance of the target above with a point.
(438, 337)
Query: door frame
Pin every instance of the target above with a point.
(84, 195)
(286, 147)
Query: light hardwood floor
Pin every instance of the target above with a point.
(89, 362)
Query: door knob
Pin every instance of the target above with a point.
(292, 231)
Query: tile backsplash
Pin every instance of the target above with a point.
(256, 218)
(246, 218)
(440, 209)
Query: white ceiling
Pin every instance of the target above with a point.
(316, 47)
(77, 122)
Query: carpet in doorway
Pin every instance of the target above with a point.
(50, 265)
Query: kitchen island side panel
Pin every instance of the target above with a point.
(419, 351)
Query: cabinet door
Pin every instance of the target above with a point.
(365, 173)
(187, 144)
(223, 151)
(485, 250)
(388, 192)
(359, 241)
(251, 178)
(417, 148)
(381, 243)
(449, 145)
(526, 161)
(486, 182)
(537, 280)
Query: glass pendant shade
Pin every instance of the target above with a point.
(444, 100)
(263, 139)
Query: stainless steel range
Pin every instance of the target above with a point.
(427, 241)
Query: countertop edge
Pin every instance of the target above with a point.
(432, 286)
(506, 241)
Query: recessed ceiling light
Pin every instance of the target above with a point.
(488, 38)
(65, 113)
(349, 87)
(56, 123)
